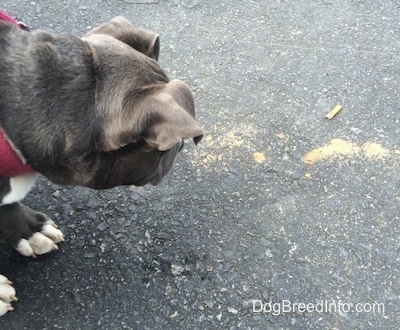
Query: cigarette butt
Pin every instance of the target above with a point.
(334, 112)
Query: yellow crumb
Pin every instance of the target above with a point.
(259, 157)
(334, 112)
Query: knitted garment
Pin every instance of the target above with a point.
(10, 163)
(9, 19)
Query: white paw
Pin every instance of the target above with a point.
(43, 242)
(7, 295)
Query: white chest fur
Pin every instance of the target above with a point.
(20, 186)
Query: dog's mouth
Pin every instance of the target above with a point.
(154, 180)
(164, 166)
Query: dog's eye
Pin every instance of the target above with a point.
(147, 148)
(133, 145)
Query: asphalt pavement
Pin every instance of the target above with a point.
(279, 219)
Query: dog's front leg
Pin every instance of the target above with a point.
(29, 232)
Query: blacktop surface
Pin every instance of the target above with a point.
(279, 219)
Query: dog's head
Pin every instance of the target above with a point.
(141, 146)
(145, 42)
(144, 116)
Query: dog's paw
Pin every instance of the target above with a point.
(31, 233)
(41, 242)
(7, 295)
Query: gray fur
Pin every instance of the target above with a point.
(96, 112)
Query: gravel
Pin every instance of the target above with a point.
(241, 218)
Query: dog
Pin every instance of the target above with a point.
(96, 111)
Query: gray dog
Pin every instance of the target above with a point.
(96, 112)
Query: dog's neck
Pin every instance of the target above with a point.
(11, 161)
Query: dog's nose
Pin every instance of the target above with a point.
(182, 145)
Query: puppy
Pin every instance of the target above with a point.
(97, 112)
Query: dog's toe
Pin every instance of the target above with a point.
(42, 244)
(7, 295)
(50, 230)
(39, 243)
(5, 307)
(4, 280)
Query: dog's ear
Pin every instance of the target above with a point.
(174, 109)
(161, 117)
(146, 42)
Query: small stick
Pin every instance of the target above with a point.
(334, 112)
